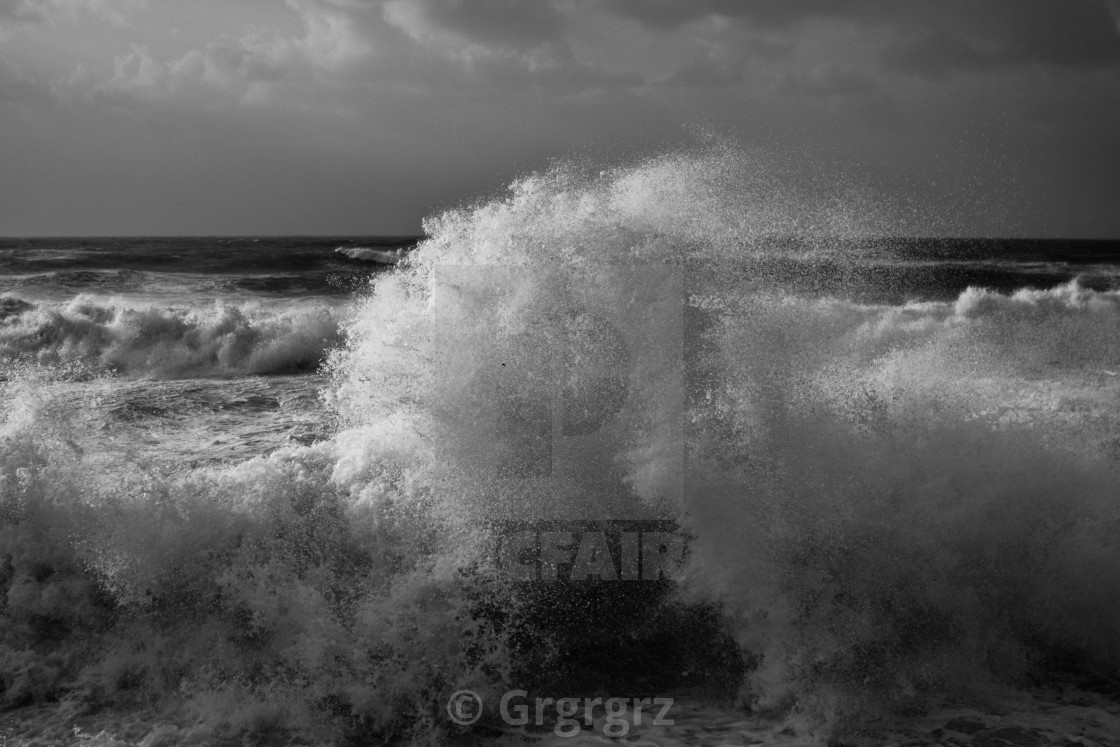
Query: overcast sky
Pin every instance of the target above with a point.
(363, 116)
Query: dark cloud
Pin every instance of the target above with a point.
(969, 36)
(577, 79)
(498, 49)
(25, 10)
(669, 14)
(501, 23)
(14, 10)
(285, 115)
(935, 55)
(16, 86)
(704, 72)
(940, 37)
(829, 80)
(38, 11)
(1075, 33)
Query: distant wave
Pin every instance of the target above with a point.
(63, 284)
(1021, 333)
(167, 342)
(369, 254)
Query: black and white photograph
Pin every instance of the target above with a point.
(560, 373)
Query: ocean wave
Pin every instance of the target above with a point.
(888, 501)
(871, 532)
(13, 306)
(370, 254)
(981, 336)
(169, 342)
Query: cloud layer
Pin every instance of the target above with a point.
(458, 95)
(52, 11)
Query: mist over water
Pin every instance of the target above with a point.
(891, 504)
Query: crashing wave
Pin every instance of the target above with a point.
(168, 342)
(368, 254)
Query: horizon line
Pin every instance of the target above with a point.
(423, 236)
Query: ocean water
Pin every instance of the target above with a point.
(249, 486)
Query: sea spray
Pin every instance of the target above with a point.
(888, 506)
(258, 598)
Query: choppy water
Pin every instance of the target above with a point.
(246, 485)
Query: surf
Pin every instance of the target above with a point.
(139, 339)
(890, 505)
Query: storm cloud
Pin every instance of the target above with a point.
(362, 116)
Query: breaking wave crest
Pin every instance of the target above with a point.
(167, 342)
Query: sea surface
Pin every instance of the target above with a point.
(197, 349)
(244, 481)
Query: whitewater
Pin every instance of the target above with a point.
(249, 491)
